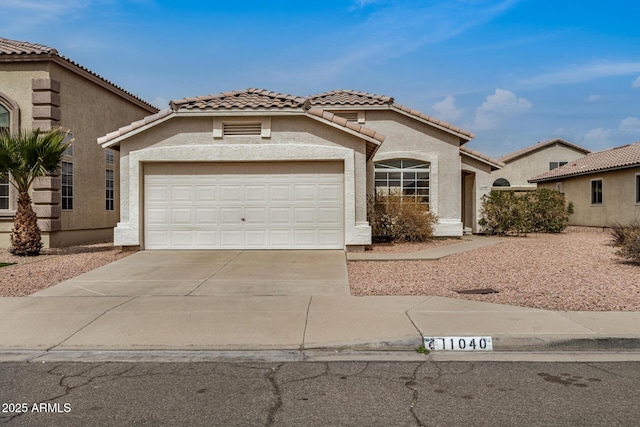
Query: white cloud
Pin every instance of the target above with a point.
(597, 138)
(630, 125)
(502, 103)
(593, 98)
(583, 73)
(446, 109)
(636, 83)
(160, 102)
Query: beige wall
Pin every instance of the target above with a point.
(618, 193)
(518, 171)
(408, 138)
(89, 111)
(476, 183)
(293, 138)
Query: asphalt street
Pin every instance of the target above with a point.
(320, 393)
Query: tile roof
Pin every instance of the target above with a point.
(318, 112)
(250, 98)
(539, 146)
(135, 125)
(433, 121)
(15, 47)
(355, 99)
(344, 97)
(13, 50)
(613, 158)
(497, 164)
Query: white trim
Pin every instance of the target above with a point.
(129, 231)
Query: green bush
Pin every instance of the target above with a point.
(543, 210)
(395, 218)
(627, 239)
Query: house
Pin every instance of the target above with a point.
(532, 161)
(39, 88)
(260, 169)
(603, 186)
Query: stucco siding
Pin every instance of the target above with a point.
(477, 185)
(618, 193)
(518, 171)
(293, 138)
(15, 82)
(408, 138)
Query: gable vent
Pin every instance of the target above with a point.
(351, 116)
(235, 129)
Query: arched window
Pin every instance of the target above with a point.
(4, 118)
(501, 182)
(405, 177)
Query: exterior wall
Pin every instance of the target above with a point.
(477, 182)
(408, 138)
(48, 95)
(618, 198)
(189, 139)
(518, 171)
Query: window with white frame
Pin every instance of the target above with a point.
(4, 190)
(405, 177)
(638, 188)
(110, 157)
(596, 191)
(67, 186)
(69, 151)
(109, 189)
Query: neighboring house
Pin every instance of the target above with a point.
(259, 169)
(39, 88)
(604, 186)
(531, 161)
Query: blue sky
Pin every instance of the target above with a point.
(514, 72)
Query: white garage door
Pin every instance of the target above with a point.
(294, 205)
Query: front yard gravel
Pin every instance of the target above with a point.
(572, 271)
(31, 274)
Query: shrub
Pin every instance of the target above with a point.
(504, 212)
(627, 239)
(543, 210)
(395, 218)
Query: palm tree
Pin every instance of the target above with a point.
(27, 155)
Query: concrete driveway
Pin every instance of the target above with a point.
(214, 273)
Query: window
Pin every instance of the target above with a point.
(4, 118)
(4, 190)
(596, 191)
(501, 182)
(110, 157)
(67, 186)
(553, 165)
(638, 188)
(69, 151)
(405, 177)
(109, 189)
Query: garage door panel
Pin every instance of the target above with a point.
(284, 205)
(181, 216)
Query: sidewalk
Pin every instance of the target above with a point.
(72, 318)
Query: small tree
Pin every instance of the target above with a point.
(27, 155)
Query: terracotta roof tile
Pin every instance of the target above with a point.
(540, 145)
(447, 126)
(319, 112)
(613, 158)
(343, 97)
(239, 100)
(473, 153)
(11, 49)
(135, 125)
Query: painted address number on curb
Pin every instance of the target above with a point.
(458, 343)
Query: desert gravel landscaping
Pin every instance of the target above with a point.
(31, 274)
(572, 271)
